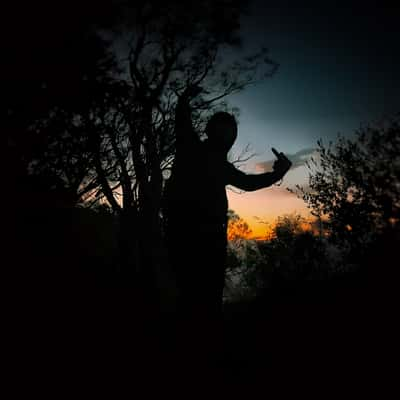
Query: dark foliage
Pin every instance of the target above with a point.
(354, 184)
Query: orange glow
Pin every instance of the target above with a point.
(393, 221)
(239, 229)
(266, 229)
(261, 208)
(306, 226)
(234, 233)
(262, 231)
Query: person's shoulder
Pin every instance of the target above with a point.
(230, 166)
(230, 170)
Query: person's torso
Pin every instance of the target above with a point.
(197, 185)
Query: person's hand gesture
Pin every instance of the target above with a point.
(282, 164)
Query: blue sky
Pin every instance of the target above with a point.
(338, 68)
(331, 78)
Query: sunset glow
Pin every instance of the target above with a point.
(261, 208)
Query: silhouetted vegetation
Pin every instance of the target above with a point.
(294, 256)
(353, 193)
(100, 121)
(90, 146)
(354, 184)
(354, 189)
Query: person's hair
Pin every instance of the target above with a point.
(219, 118)
(214, 135)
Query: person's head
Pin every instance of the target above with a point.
(221, 131)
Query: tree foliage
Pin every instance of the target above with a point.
(108, 131)
(55, 72)
(103, 115)
(292, 256)
(238, 228)
(355, 183)
(168, 48)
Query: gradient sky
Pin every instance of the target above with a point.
(339, 67)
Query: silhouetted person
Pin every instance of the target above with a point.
(196, 206)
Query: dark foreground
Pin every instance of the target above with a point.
(323, 339)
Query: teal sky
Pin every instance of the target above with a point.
(339, 67)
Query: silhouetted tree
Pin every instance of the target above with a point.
(53, 65)
(292, 256)
(107, 132)
(288, 226)
(238, 228)
(169, 48)
(54, 72)
(241, 254)
(355, 184)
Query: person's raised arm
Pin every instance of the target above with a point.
(186, 136)
(250, 182)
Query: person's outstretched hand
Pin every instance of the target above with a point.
(282, 164)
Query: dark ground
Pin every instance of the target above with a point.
(105, 340)
(68, 335)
